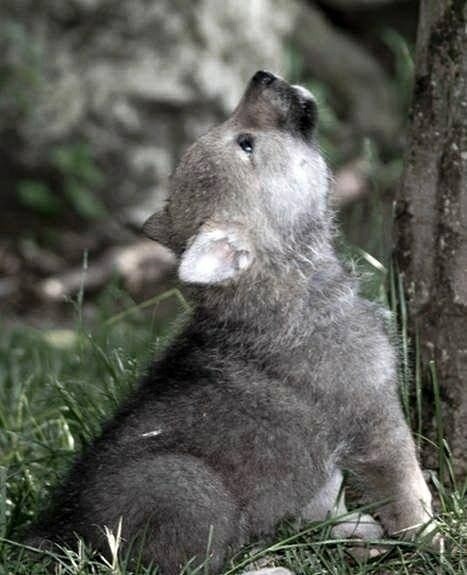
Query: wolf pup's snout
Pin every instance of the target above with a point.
(270, 102)
(263, 77)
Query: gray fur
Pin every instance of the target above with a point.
(284, 377)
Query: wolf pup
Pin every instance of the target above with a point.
(283, 378)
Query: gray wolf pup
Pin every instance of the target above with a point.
(283, 378)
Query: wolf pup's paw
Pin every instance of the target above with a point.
(361, 527)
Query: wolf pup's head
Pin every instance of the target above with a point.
(247, 189)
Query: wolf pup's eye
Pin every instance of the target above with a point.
(246, 143)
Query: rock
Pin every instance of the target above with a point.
(134, 82)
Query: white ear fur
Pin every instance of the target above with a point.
(215, 255)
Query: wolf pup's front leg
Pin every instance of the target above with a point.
(388, 468)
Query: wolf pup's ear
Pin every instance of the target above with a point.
(158, 227)
(216, 254)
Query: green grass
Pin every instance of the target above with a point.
(56, 388)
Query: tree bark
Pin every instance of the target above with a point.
(431, 223)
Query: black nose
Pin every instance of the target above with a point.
(263, 77)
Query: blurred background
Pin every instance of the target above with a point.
(99, 98)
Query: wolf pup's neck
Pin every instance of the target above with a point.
(291, 296)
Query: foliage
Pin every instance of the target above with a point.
(404, 68)
(21, 74)
(37, 196)
(22, 78)
(80, 176)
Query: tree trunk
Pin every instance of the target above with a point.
(431, 222)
